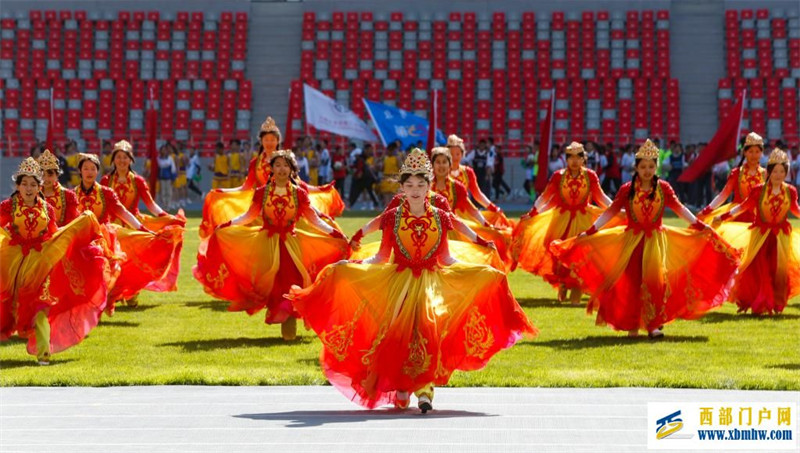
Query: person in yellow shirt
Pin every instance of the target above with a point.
(313, 161)
(389, 184)
(105, 158)
(221, 168)
(236, 159)
(71, 151)
(179, 195)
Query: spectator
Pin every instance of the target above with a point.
(353, 152)
(167, 171)
(302, 167)
(612, 172)
(324, 172)
(557, 161)
(363, 179)
(64, 178)
(105, 158)
(677, 162)
(497, 177)
(627, 162)
(479, 160)
(71, 151)
(339, 166)
(797, 167)
(529, 164)
(194, 173)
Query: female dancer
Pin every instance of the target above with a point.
(770, 271)
(466, 176)
(746, 176)
(131, 188)
(63, 200)
(390, 326)
(562, 211)
(52, 281)
(254, 266)
(145, 256)
(225, 204)
(645, 274)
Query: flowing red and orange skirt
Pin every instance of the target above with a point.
(643, 281)
(253, 268)
(68, 278)
(385, 330)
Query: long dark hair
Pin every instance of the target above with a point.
(632, 193)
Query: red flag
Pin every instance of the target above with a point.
(287, 138)
(151, 141)
(49, 140)
(545, 142)
(721, 147)
(433, 121)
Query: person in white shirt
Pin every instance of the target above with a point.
(355, 151)
(167, 171)
(627, 163)
(302, 166)
(324, 175)
(194, 173)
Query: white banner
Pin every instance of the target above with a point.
(328, 115)
(722, 426)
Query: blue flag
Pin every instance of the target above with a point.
(393, 124)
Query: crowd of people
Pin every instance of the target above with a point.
(398, 316)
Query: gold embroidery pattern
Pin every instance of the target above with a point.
(339, 339)
(76, 280)
(218, 281)
(366, 359)
(45, 294)
(478, 338)
(418, 358)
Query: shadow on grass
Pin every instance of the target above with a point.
(118, 323)
(785, 366)
(120, 307)
(718, 317)
(307, 361)
(235, 343)
(213, 305)
(307, 419)
(604, 341)
(545, 302)
(31, 363)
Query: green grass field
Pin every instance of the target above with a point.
(186, 337)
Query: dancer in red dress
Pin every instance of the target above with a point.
(744, 178)
(405, 319)
(253, 267)
(53, 283)
(562, 211)
(144, 256)
(131, 189)
(646, 274)
(770, 271)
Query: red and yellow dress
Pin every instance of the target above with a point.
(740, 183)
(458, 199)
(466, 176)
(461, 248)
(42, 267)
(64, 203)
(769, 274)
(132, 188)
(571, 213)
(145, 257)
(645, 274)
(219, 206)
(253, 267)
(414, 318)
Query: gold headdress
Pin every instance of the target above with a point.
(575, 148)
(648, 150)
(441, 151)
(286, 154)
(82, 157)
(269, 126)
(28, 167)
(753, 139)
(125, 147)
(778, 156)
(455, 140)
(48, 161)
(417, 164)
